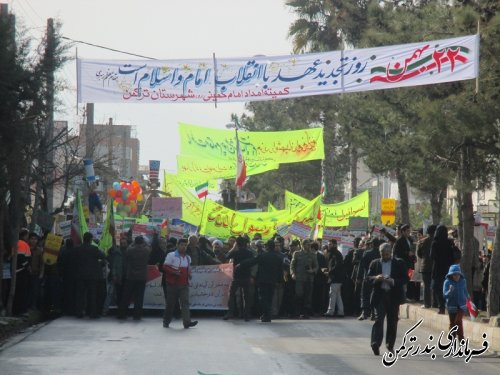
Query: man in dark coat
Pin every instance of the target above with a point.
(67, 262)
(366, 287)
(269, 272)
(136, 265)
(320, 287)
(424, 253)
(403, 247)
(388, 276)
(88, 271)
(241, 279)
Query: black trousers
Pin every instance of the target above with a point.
(266, 292)
(437, 290)
(132, 292)
(69, 295)
(366, 291)
(244, 285)
(86, 298)
(385, 308)
(426, 279)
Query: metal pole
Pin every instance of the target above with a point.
(215, 80)
(50, 120)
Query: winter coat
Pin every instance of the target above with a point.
(424, 253)
(303, 262)
(336, 272)
(442, 256)
(238, 256)
(401, 250)
(88, 266)
(136, 262)
(368, 257)
(457, 297)
(398, 273)
(270, 267)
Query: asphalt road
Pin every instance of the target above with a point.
(321, 346)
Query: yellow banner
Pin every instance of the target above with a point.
(294, 201)
(191, 181)
(192, 206)
(205, 168)
(270, 207)
(223, 222)
(336, 214)
(268, 147)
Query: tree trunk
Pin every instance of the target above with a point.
(403, 196)
(467, 244)
(354, 170)
(2, 249)
(14, 220)
(467, 216)
(14, 237)
(36, 205)
(460, 218)
(493, 296)
(437, 200)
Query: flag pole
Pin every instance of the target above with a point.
(202, 213)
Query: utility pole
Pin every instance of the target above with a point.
(109, 178)
(49, 54)
(89, 131)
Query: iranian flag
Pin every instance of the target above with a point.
(241, 168)
(202, 190)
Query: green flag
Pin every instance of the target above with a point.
(106, 241)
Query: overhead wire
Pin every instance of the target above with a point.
(107, 48)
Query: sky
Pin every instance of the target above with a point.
(162, 29)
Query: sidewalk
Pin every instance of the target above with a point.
(472, 330)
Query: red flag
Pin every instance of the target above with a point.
(241, 168)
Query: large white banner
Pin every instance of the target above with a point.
(208, 288)
(277, 77)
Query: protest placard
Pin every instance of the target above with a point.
(51, 248)
(65, 228)
(330, 233)
(166, 208)
(358, 224)
(145, 230)
(209, 287)
(300, 230)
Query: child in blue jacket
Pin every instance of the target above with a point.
(455, 294)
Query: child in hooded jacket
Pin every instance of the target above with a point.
(455, 294)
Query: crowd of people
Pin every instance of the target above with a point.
(272, 279)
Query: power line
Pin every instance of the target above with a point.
(107, 48)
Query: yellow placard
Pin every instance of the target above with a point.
(51, 248)
(388, 211)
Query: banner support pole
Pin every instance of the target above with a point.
(215, 80)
